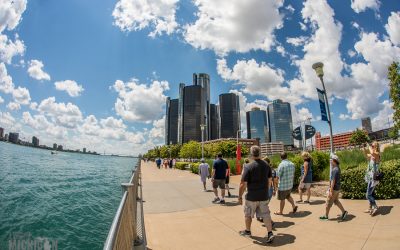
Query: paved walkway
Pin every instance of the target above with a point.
(179, 215)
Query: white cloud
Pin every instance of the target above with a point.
(157, 132)
(393, 27)
(1, 100)
(133, 15)
(300, 115)
(10, 13)
(234, 25)
(6, 83)
(384, 117)
(297, 41)
(281, 50)
(71, 87)
(21, 95)
(42, 125)
(14, 106)
(140, 102)
(7, 120)
(344, 117)
(33, 105)
(351, 53)
(35, 70)
(290, 8)
(361, 5)
(9, 48)
(66, 115)
(256, 79)
(303, 27)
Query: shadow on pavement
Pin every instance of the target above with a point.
(384, 210)
(280, 239)
(232, 204)
(298, 214)
(349, 217)
(317, 202)
(283, 224)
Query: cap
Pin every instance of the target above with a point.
(334, 157)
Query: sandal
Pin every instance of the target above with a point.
(295, 209)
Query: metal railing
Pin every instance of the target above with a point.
(127, 229)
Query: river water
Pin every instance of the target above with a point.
(67, 199)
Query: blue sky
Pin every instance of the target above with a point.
(96, 74)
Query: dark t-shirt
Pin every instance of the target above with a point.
(220, 166)
(336, 176)
(256, 175)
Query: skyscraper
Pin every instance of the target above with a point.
(180, 113)
(214, 121)
(366, 124)
(229, 111)
(13, 137)
(203, 80)
(171, 121)
(193, 113)
(257, 125)
(1, 132)
(280, 122)
(35, 141)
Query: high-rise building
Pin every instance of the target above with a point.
(1, 132)
(180, 113)
(257, 125)
(366, 124)
(229, 111)
(280, 122)
(171, 121)
(193, 113)
(13, 137)
(35, 141)
(214, 122)
(203, 80)
(54, 146)
(60, 147)
(84, 150)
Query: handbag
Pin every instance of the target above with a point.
(378, 176)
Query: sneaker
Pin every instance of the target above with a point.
(222, 202)
(344, 215)
(373, 211)
(216, 199)
(270, 237)
(323, 218)
(245, 233)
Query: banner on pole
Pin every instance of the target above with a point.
(309, 131)
(297, 134)
(322, 105)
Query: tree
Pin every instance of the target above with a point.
(394, 92)
(393, 133)
(359, 137)
(192, 149)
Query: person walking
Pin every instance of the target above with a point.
(246, 161)
(170, 163)
(285, 175)
(158, 162)
(373, 167)
(257, 178)
(218, 178)
(334, 189)
(173, 163)
(306, 177)
(204, 173)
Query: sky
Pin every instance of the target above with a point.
(96, 74)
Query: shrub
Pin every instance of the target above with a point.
(194, 167)
(320, 163)
(351, 158)
(354, 186)
(181, 165)
(391, 153)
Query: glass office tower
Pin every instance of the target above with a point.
(280, 122)
(171, 121)
(214, 121)
(203, 80)
(193, 113)
(257, 125)
(229, 111)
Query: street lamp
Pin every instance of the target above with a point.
(170, 143)
(202, 127)
(318, 67)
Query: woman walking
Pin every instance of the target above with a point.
(306, 177)
(373, 155)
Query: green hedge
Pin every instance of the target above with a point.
(181, 165)
(354, 186)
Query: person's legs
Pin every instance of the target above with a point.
(290, 199)
(281, 206)
(248, 221)
(308, 193)
(204, 185)
(370, 195)
(301, 192)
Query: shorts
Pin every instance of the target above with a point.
(303, 185)
(260, 208)
(219, 183)
(227, 180)
(333, 199)
(284, 194)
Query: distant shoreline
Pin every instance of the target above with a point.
(68, 151)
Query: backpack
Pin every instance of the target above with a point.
(378, 176)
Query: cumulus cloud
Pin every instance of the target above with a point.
(1, 100)
(42, 124)
(384, 117)
(297, 41)
(21, 95)
(301, 115)
(13, 106)
(362, 5)
(10, 13)
(7, 120)
(133, 15)
(6, 82)
(256, 78)
(140, 102)
(9, 48)
(71, 87)
(157, 132)
(393, 27)
(234, 25)
(66, 115)
(35, 71)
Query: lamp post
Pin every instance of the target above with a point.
(318, 67)
(170, 143)
(202, 127)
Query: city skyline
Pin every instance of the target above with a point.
(102, 77)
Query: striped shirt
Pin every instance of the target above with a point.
(286, 175)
